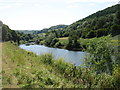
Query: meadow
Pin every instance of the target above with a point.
(63, 40)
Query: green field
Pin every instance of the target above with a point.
(64, 40)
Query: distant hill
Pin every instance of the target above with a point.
(43, 30)
(27, 31)
(52, 28)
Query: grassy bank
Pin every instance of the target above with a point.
(83, 42)
(27, 70)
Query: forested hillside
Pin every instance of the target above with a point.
(99, 24)
(8, 34)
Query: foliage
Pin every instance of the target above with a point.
(100, 55)
(8, 34)
(117, 18)
(49, 39)
(97, 24)
(54, 41)
(58, 45)
(27, 70)
(115, 30)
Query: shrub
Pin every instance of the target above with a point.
(47, 58)
(100, 54)
(58, 44)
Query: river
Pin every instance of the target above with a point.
(74, 57)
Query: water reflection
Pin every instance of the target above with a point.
(74, 57)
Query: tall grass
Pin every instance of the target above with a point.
(27, 70)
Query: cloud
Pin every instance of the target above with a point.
(96, 1)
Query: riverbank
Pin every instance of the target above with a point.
(23, 69)
(27, 70)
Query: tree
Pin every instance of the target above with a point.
(90, 34)
(101, 21)
(69, 45)
(101, 32)
(49, 38)
(54, 41)
(9, 35)
(100, 51)
(58, 44)
(115, 30)
(117, 18)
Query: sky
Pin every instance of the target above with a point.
(39, 14)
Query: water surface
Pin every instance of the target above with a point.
(74, 57)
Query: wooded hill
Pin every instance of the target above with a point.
(8, 34)
(101, 23)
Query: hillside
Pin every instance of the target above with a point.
(101, 23)
(35, 74)
(57, 27)
(107, 11)
(8, 34)
(43, 30)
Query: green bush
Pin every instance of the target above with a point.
(100, 54)
(47, 58)
(58, 44)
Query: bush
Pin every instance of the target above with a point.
(58, 44)
(100, 55)
(47, 58)
(54, 41)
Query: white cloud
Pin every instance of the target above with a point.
(97, 1)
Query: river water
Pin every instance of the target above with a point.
(74, 57)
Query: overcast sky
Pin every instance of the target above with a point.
(39, 14)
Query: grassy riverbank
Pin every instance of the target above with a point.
(83, 42)
(27, 70)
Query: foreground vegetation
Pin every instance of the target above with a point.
(27, 70)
